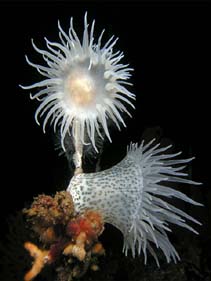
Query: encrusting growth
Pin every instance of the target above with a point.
(62, 233)
(84, 230)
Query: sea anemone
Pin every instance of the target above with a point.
(85, 85)
(131, 196)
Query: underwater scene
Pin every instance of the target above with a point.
(105, 141)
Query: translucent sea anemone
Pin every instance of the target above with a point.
(131, 196)
(85, 84)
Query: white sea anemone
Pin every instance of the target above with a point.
(131, 196)
(85, 84)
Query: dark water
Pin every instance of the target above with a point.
(167, 45)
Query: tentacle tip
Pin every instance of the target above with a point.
(200, 205)
(58, 23)
(198, 183)
(38, 123)
(198, 222)
(33, 44)
(95, 148)
(63, 147)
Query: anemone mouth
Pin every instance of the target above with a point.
(86, 83)
(80, 89)
(84, 88)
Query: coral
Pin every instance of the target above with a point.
(13, 258)
(41, 258)
(84, 231)
(98, 249)
(65, 234)
(90, 222)
(51, 210)
(77, 249)
(194, 265)
(47, 211)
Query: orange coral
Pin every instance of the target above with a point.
(98, 249)
(90, 222)
(78, 248)
(41, 257)
(84, 231)
(74, 237)
(46, 235)
(48, 210)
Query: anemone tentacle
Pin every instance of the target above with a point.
(131, 196)
(87, 81)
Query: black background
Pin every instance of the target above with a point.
(166, 43)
